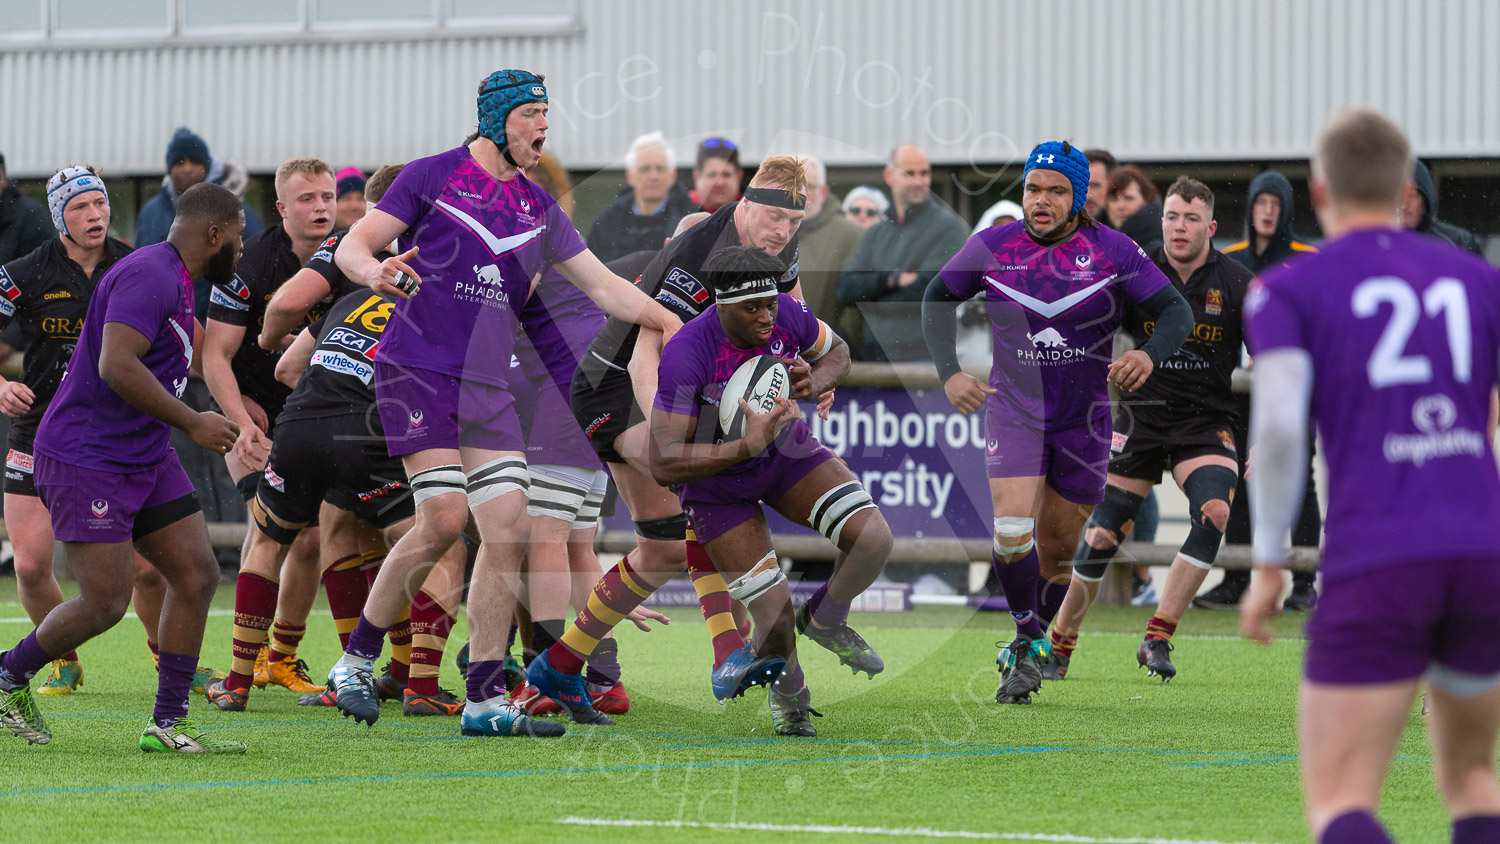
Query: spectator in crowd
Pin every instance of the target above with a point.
(643, 216)
(717, 174)
(828, 242)
(898, 257)
(1133, 206)
(188, 163)
(1419, 211)
(1269, 242)
(350, 187)
(1101, 165)
(24, 223)
(998, 214)
(865, 206)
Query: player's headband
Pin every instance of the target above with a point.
(776, 198)
(66, 184)
(755, 288)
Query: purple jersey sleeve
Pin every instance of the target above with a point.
(686, 369)
(800, 319)
(964, 273)
(144, 301)
(563, 240)
(1140, 276)
(410, 196)
(1272, 320)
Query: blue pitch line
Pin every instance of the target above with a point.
(450, 775)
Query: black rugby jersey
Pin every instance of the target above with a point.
(339, 380)
(675, 278)
(1196, 380)
(267, 263)
(47, 294)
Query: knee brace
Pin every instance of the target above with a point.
(1014, 535)
(666, 529)
(759, 580)
(833, 509)
(439, 480)
(1204, 485)
(496, 478)
(1115, 515)
(556, 491)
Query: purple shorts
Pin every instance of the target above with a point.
(422, 409)
(552, 433)
(1399, 621)
(1075, 461)
(90, 505)
(720, 502)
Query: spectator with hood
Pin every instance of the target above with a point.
(1269, 239)
(1419, 211)
(188, 163)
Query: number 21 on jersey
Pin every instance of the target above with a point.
(1389, 365)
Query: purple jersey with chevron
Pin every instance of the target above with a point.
(482, 242)
(698, 360)
(88, 424)
(1404, 334)
(1054, 311)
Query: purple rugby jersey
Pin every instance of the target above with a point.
(1404, 333)
(88, 424)
(482, 242)
(698, 360)
(1054, 311)
(561, 321)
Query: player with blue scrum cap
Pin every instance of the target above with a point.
(722, 481)
(1054, 284)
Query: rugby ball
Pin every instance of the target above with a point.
(760, 381)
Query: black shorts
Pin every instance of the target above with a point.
(19, 479)
(604, 405)
(1144, 448)
(339, 460)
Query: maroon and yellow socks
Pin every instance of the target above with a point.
(430, 626)
(284, 640)
(618, 592)
(1018, 579)
(1161, 627)
(22, 662)
(345, 584)
(254, 605)
(1063, 641)
(400, 635)
(174, 684)
(713, 597)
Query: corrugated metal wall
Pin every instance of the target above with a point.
(971, 80)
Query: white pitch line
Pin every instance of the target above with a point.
(909, 832)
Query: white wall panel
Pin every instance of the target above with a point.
(971, 80)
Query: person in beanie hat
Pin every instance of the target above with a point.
(350, 188)
(189, 162)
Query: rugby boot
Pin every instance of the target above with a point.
(1153, 656)
(262, 677)
(527, 699)
(354, 692)
(227, 699)
(790, 714)
(611, 700)
(1055, 666)
(851, 648)
(569, 690)
(496, 717)
(291, 674)
(66, 676)
(1024, 675)
(442, 703)
(743, 669)
(185, 737)
(19, 714)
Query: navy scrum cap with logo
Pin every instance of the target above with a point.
(501, 92)
(1066, 159)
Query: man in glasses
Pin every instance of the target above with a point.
(717, 174)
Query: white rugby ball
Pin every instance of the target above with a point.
(760, 381)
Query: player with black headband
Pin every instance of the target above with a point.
(48, 292)
(614, 381)
(475, 232)
(722, 481)
(1055, 286)
(1181, 420)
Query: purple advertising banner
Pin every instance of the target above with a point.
(921, 460)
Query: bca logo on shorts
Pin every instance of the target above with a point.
(100, 507)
